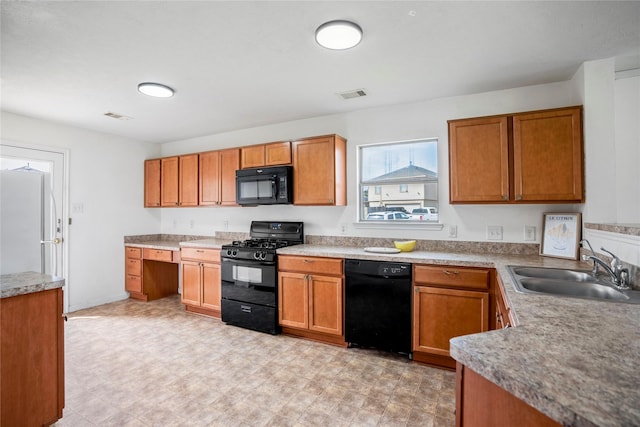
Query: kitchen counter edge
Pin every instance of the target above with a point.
(28, 282)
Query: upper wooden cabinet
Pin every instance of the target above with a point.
(532, 157)
(179, 181)
(320, 171)
(218, 177)
(275, 153)
(152, 183)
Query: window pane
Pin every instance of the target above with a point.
(404, 176)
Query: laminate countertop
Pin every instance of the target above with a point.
(575, 360)
(12, 285)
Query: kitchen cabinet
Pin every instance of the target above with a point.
(319, 171)
(152, 183)
(218, 177)
(179, 181)
(480, 403)
(133, 272)
(272, 154)
(531, 157)
(151, 273)
(201, 285)
(310, 297)
(447, 302)
(32, 349)
(504, 316)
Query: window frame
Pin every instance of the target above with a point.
(361, 220)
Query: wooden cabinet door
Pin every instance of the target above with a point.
(547, 155)
(277, 153)
(152, 183)
(479, 160)
(209, 172)
(229, 164)
(211, 286)
(252, 156)
(191, 289)
(293, 300)
(315, 176)
(169, 182)
(441, 314)
(188, 182)
(325, 304)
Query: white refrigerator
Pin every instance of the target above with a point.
(25, 221)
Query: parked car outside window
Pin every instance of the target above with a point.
(425, 214)
(387, 216)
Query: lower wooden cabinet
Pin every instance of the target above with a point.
(447, 302)
(32, 368)
(310, 297)
(481, 403)
(201, 285)
(504, 317)
(150, 273)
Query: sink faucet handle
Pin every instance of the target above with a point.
(616, 264)
(583, 241)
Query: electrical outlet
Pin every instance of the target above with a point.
(343, 228)
(529, 233)
(494, 232)
(226, 225)
(192, 223)
(453, 231)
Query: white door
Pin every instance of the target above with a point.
(51, 162)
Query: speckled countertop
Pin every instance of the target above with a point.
(12, 285)
(575, 360)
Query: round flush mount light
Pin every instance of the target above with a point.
(155, 89)
(338, 35)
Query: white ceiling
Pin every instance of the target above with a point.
(240, 64)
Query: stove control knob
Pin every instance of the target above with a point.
(234, 252)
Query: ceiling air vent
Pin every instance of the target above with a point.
(353, 94)
(116, 116)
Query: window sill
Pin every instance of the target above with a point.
(399, 225)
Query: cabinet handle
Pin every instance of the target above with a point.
(505, 197)
(450, 273)
(199, 251)
(309, 261)
(519, 197)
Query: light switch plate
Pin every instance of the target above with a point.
(453, 231)
(494, 232)
(529, 233)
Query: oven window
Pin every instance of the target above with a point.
(256, 189)
(242, 273)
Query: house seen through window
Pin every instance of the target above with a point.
(398, 181)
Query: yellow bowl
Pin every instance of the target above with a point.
(405, 245)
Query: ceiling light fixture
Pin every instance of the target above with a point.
(155, 89)
(338, 35)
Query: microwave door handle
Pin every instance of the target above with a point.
(274, 187)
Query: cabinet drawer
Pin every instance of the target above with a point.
(461, 277)
(310, 264)
(158, 255)
(132, 252)
(200, 254)
(133, 267)
(133, 283)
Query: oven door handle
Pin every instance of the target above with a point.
(255, 263)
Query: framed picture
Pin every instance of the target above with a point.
(561, 235)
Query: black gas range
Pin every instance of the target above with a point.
(250, 275)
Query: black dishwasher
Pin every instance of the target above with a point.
(378, 305)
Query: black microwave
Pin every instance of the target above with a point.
(264, 186)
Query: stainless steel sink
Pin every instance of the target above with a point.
(555, 273)
(568, 283)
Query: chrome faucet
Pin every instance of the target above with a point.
(619, 275)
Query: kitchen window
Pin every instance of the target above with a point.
(399, 177)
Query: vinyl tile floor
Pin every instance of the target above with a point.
(132, 363)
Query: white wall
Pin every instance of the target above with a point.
(396, 123)
(106, 176)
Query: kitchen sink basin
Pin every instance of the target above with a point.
(568, 283)
(555, 273)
